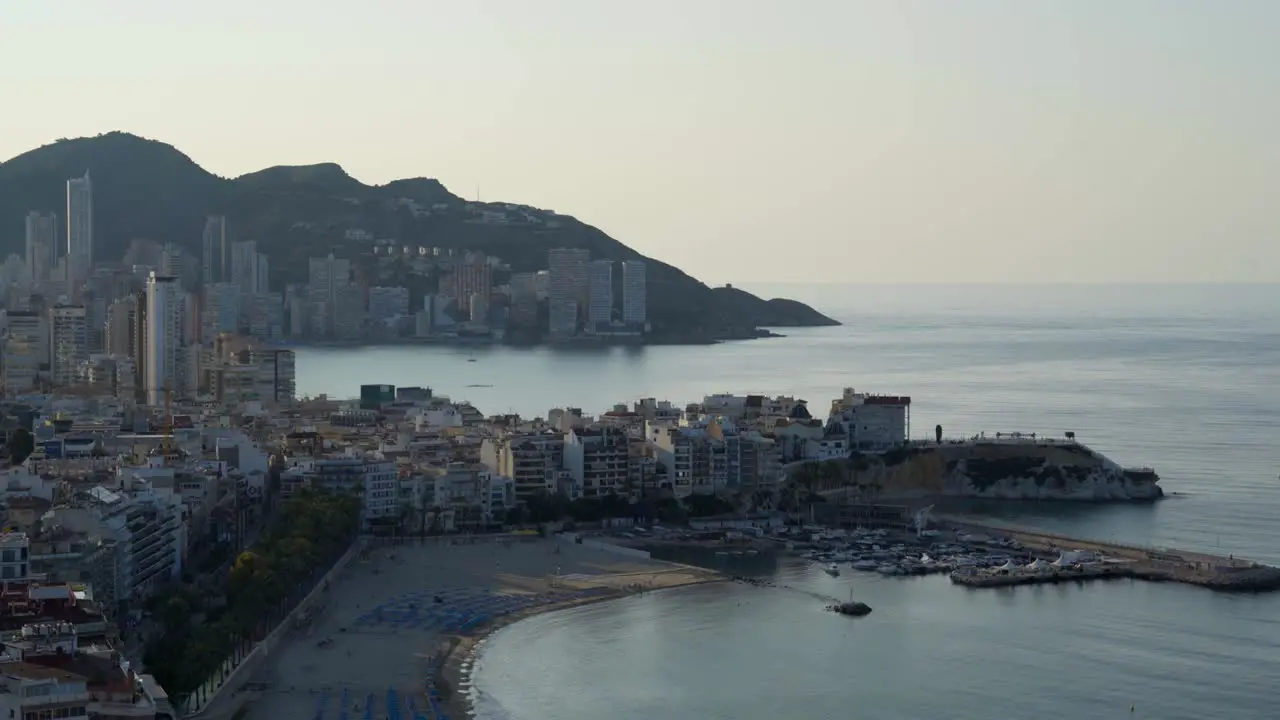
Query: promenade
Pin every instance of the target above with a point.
(383, 633)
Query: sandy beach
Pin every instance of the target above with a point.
(380, 635)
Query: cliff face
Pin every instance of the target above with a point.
(1014, 471)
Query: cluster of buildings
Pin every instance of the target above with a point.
(144, 330)
(119, 501)
(424, 461)
(149, 327)
(468, 294)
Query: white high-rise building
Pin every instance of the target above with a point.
(121, 325)
(42, 244)
(600, 310)
(68, 343)
(164, 336)
(388, 303)
(244, 265)
(221, 310)
(26, 347)
(79, 228)
(215, 251)
(326, 280)
(568, 288)
(261, 284)
(634, 310)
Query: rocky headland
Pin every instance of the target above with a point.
(1028, 470)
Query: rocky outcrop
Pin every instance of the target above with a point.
(1042, 470)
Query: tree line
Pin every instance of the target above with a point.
(198, 631)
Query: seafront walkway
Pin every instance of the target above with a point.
(1150, 563)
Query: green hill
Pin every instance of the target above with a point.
(146, 189)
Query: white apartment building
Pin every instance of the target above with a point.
(562, 317)
(215, 251)
(263, 316)
(600, 304)
(597, 460)
(36, 692)
(349, 312)
(15, 557)
(163, 337)
(42, 245)
(121, 325)
(372, 472)
(276, 374)
(388, 303)
(26, 348)
(470, 496)
(871, 421)
(221, 310)
(326, 279)
(145, 525)
(69, 343)
(634, 300)
(568, 287)
(533, 461)
(79, 228)
(524, 300)
(245, 261)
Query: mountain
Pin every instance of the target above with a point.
(149, 190)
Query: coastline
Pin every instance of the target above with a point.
(586, 343)
(459, 652)
(406, 618)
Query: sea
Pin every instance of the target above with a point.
(1184, 379)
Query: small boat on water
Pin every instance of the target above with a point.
(833, 570)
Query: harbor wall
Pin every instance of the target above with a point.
(1006, 470)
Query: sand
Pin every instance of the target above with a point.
(304, 678)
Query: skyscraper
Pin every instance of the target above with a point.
(163, 337)
(25, 349)
(42, 244)
(634, 311)
(215, 252)
(79, 228)
(569, 286)
(328, 280)
(69, 342)
(600, 309)
(244, 266)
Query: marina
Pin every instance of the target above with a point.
(986, 556)
(975, 553)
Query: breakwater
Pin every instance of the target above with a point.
(1226, 574)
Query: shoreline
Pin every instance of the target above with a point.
(455, 699)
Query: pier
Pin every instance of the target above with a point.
(1227, 574)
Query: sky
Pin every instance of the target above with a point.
(797, 141)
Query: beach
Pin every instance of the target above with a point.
(404, 614)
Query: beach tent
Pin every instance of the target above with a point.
(1010, 566)
(1073, 557)
(1039, 566)
(926, 559)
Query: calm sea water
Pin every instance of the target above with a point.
(1184, 379)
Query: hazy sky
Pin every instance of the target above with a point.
(743, 140)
